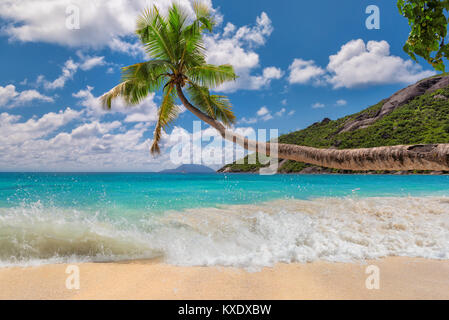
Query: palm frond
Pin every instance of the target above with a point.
(106, 99)
(168, 112)
(138, 80)
(152, 29)
(210, 75)
(177, 19)
(216, 106)
(152, 72)
(203, 15)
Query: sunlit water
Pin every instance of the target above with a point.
(232, 220)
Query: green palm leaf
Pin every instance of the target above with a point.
(168, 112)
(153, 32)
(216, 106)
(210, 75)
(138, 80)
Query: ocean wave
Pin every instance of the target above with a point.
(249, 236)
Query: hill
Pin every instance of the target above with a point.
(190, 168)
(418, 114)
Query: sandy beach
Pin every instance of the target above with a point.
(400, 278)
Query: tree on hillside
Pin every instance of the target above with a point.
(178, 65)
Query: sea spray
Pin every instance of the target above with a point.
(249, 236)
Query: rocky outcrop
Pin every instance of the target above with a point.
(398, 99)
(440, 97)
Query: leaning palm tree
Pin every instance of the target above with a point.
(175, 44)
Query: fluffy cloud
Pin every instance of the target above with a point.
(236, 47)
(70, 68)
(146, 111)
(90, 146)
(10, 97)
(68, 72)
(318, 105)
(358, 64)
(90, 62)
(264, 114)
(341, 102)
(281, 112)
(45, 21)
(302, 71)
(49, 143)
(13, 132)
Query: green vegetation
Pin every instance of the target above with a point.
(428, 21)
(424, 120)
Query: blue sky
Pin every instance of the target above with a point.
(298, 62)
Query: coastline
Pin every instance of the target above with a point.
(400, 278)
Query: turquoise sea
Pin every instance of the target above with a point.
(220, 219)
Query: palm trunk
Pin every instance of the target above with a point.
(415, 157)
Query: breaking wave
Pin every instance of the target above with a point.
(249, 236)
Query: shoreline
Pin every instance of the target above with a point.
(399, 278)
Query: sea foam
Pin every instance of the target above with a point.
(249, 236)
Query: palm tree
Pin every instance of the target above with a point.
(175, 43)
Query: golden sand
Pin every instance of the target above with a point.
(400, 278)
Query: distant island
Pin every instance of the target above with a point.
(189, 168)
(418, 114)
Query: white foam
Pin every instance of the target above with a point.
(250, 236)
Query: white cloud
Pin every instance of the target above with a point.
(302, 71)
(228, 29)
(13, 132)
(49, 143)
(263, 114)
(262, 111)
(70, 68)
(133, 49)
(318, 105)
(45, 144)
(341, 102)
(10, 97)
(281, 112)
(45, 21)
(146, 111)
(284, 102)
(255, 36)
(245, 120)
(236, 47)
(272, 73)
(68, 72)
(359, 64)
(89, 62)
(91, 146)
